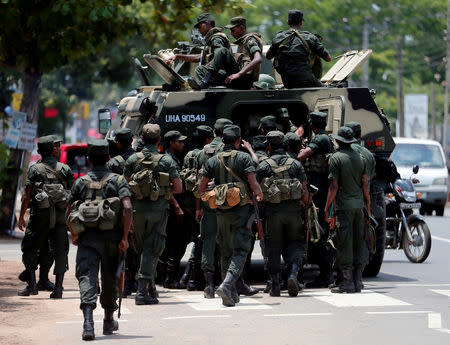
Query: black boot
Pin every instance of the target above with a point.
(24, 276)
(88, 324)
(200, 84)
(209, 289)
(109, 324)
(347, 285)
(324, 279)
(142, 297)
(44, 284)
(243, 289)
(338, 280)
(152, 289)
(357, 278)
(292, 283)
(225, 290)
(186, 275)
(235, 295)
(275, 286)
(57, 292)
(31, 288)
(127, 288)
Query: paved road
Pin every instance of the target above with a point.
(406, 304)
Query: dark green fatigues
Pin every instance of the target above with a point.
(97, 248)
(41, 244)
(150, 217)
(233, 237)
(284, 229)
(347, 167)
(293, 58)
(208, 223)
(114, 164)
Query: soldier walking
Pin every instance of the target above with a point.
(233, 171)
(100, 245)
(349, 194)
(283, 182)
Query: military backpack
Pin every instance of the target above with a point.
(243, 56)
(189, 174)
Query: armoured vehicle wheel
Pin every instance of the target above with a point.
(375, 260)
(419, 249)
(440, 210)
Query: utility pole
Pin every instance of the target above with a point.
(433, 111)
(365, 45)
(400, 112)
(447, 81)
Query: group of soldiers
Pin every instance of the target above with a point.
(296, 55)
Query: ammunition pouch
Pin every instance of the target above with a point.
(227, 195)
(318, 163)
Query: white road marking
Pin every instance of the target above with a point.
(442, 292)
(434, 320)
(194, 317)
(442, 239)
(422, 285)
(399, 312)
(366, 298)
(198, 302)
(302, 314)
(81, 321)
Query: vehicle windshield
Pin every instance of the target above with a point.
(405, 185)
(426, 156)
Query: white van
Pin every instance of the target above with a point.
(433, 173)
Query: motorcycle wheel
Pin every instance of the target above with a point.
(418, 251)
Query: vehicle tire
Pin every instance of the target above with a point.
(417, 253)
(375, 260)
(440, 210)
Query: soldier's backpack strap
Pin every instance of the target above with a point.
(232, 155)
(44, 169)
(120, 160)
(94, 186)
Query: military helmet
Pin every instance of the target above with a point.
(265, 82)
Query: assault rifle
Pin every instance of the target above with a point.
(120, 275)
(255, 218)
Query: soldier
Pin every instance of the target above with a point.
(294, 143)
(248, 57)
(260, 146)
(295, 51)
(46, 188)
(267, 124)
(216, 61)
(192, 276)
(102, 245)
(230, 169)
(348, 193)
(284, 230)
(284, 122)
(207, 215)
(179, 225)
(123, 139)
(151, 205)
(265, 82)
(315, 156)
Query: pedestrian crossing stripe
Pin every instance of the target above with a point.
(442, 292)
(200, 303)
(367, 298)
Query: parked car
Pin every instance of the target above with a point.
(433, 173)
(74, 155)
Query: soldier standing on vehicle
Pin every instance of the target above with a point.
(207, 215)
(295, 52)
(315, 157)
(348, 194)
(123, 140)
(153, 179)
(283, 182)
(233, 171)
(192, 277)
(46, 189)
(179, 225)
(101, 246)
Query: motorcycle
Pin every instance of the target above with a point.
(405, 229)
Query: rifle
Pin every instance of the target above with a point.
(120, 275)
(370, 224)
(311, 220)
(254, 218)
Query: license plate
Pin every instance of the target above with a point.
(404, 205)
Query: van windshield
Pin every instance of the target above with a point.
(426, 156)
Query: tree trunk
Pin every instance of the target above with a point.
(29, 106)
(400, 112)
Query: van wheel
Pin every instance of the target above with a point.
(440, 210)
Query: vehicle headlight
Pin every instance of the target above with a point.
(440, 181)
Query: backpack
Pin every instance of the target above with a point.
(95, 211)
(51, 192)
(280, 186)
(243, 57)
(189, 174)
(146, 183)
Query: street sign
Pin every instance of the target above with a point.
(15, 123)
(27, 138)
(83, 110)
(416, 116)
(17, 101)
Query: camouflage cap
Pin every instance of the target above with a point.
(220, 123)
(318, 116)
(344, 135)
(282, 112)
(275, 138)
(46, 143)
(151, 131)
(98, 147)
(293, 138)
(174, 135)
(205, 131)
(236, 21)
(123, 135)
(356, 128)
(264, 82)
(268, 121)
(57, 139)
(232, 131)
(295, 16)
(204, 17)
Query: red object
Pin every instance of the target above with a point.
(50, 113)
(68, 154)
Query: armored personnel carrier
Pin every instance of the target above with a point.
(174, 106)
